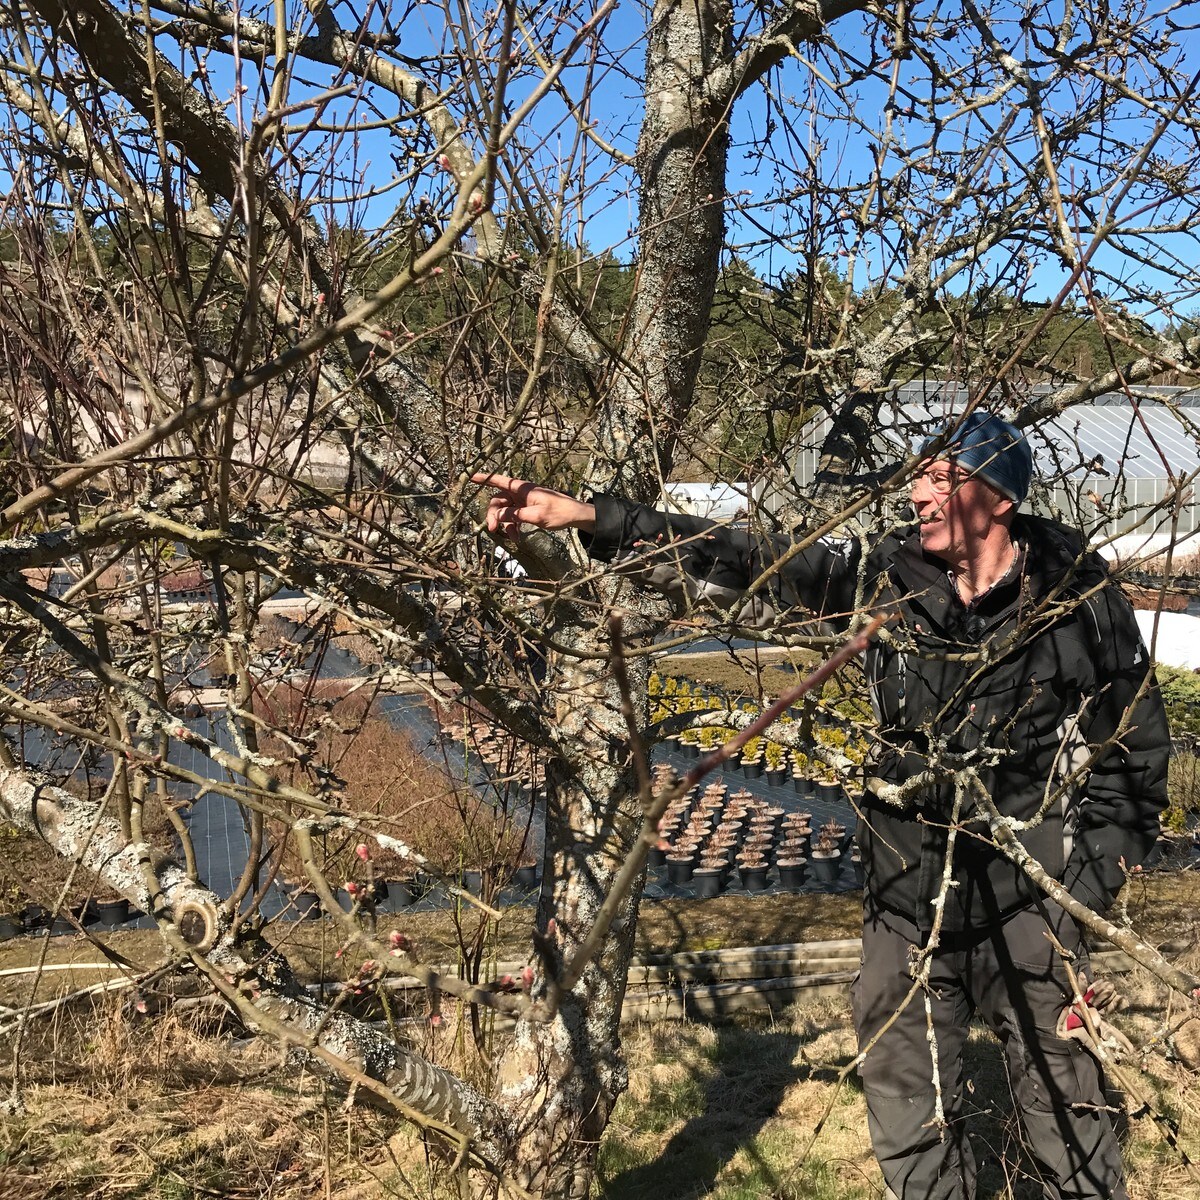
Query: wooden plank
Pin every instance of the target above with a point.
(841, 948)
(765, 968)
(744, 969)
(723, 999)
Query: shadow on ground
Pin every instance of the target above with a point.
(754, 1070)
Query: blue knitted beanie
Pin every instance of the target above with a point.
(989, 448)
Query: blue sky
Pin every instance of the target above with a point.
(761, 220)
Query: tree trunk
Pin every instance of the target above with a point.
(571, 1072)
(681, 160)
(560, 1080)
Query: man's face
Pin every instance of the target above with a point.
(957, 512)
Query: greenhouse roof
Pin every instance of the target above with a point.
(1106, 438)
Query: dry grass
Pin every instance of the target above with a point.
(160, 1107)
(119, 1106)
(31, 871)
(729, 1112)
(746, 672)
(379, 774)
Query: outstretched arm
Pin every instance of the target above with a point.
(681, 555)
(518, 502)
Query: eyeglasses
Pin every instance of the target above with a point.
(941, 480)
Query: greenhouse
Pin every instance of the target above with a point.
(1111, 467)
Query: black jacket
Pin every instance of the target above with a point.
(1042, 674)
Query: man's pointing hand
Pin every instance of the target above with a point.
(518, 502)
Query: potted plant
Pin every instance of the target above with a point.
(752, 871)
(681, 862)
(708, 878)
(796, 844)
(306, 904)
(775, 764)
(829, 791)
(802, 783)
(759, 843)
(665, 776)
(836, 830)
(792, 870)
(752, 758)
(62, 924)
(826, 859)
(394, 882)
(112, 908)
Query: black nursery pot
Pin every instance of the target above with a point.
(826, 870)
(792, 874)
(680, 869)
(525, 877)
(754, 879)
(398, 894)
(113, 912)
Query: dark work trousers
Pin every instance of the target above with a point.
(1013, 977)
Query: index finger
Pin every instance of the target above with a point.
(496, 480)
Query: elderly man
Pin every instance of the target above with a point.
(1013, 675)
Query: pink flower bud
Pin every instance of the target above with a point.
(444, 161)
(367, 967)
(362, 851)
(352, 888)
(527, 977)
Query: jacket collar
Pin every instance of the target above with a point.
(1054, 564)
(1054, 558)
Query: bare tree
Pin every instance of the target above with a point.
(278, 279)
